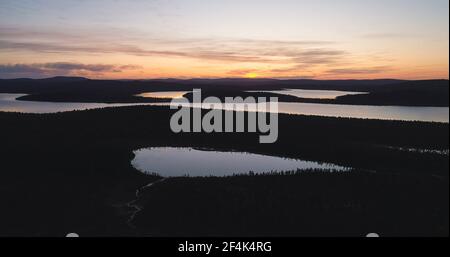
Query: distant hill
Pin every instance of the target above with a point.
(62, 79)
(380, 92)
(346, 85)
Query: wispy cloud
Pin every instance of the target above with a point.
(228, 53)
(38, 70)
(137, 44)
(291, 69)
(356, 71)
(242, 72)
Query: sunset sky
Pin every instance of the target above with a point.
(320, 39)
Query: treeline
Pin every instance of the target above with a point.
(306, 204)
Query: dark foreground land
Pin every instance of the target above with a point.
(71, 172)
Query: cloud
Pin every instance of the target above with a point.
(46, 47)
(38, 40)
(307, 59)
(280, 42)
(76, 66)
(242, 72)
(38, 70)
(231, 53)
(130, 67)
(295, 68)
(356, 71)
(319, 56)
(130, 50)
(18, 68)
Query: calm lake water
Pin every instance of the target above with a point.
(406, 113)
(177, 162)
(8, 103)
(165, 95)
(315, 94)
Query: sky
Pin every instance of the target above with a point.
(317, 39)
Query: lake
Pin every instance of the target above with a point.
(186, 161)
(314, 94)
(8, 103)
(164, 94)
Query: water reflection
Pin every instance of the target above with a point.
(315, 94)
(8, 103)
(164, 95)
(405, 113)
(176, 162)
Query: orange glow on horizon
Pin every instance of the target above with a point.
(251, 75)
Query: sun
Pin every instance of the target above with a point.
(251, 75)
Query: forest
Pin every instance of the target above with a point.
(71, 172)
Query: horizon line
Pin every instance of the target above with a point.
(219, 78)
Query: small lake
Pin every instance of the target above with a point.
(164, 95)
(186, 161)
(314, 94)
(8, 103)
